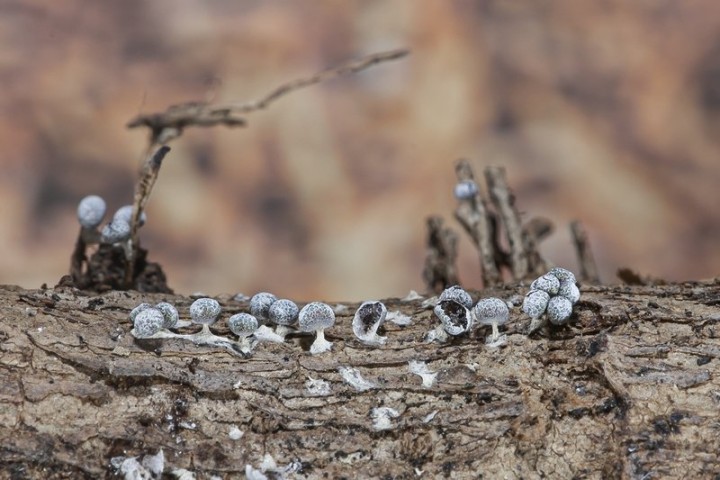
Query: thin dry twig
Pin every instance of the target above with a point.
(78, 259)
(504, 202)
(472, 214)
(588, 267)
(440, 269)
(146, 180)
(533, 232)
(168, 125)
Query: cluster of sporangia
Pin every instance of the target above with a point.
(91, 212)
(553, 293)
(152, 322)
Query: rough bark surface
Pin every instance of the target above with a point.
(630, 390)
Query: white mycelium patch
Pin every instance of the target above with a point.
(382, 418)
(353, 378)
(421, 369)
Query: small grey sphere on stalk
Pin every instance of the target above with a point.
(284, 314)
(204, 311)
(494, 312)
(316, 317)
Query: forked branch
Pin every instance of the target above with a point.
(168, 125)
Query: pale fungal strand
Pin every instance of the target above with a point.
(315, 317)
(366, 321)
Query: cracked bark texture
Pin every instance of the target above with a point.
(630, 390)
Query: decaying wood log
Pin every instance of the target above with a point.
(630, 390)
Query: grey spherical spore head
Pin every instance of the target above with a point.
(535, 303)
(547, 283)
(283, 312)
(91, 211)
(368, 318)
(243, 324)
(457, 294)
(204, 311)
(115, 231)
(562, 274)
(260, 304)
(134, 312)
(454, 316)
(316, 316)
(559, 310)
(492, 310)
(570, 291)
(170, 314)
(148, 322)
(125, 213)
(465, 190)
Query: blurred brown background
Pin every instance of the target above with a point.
(606, 111)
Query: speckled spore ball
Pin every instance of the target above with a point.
(492, 310)
(563, 275)
(170, 314)
(148, 322)
(124, 213)
(547, 283)
(457, 294)
(535, 303)
(260, 304)
(243, 324)
(134, 312)
(283, 312)
(90, 211)
(570, 291)
(204, 311)
(465, 190)
(115, 232)
(559, 310)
